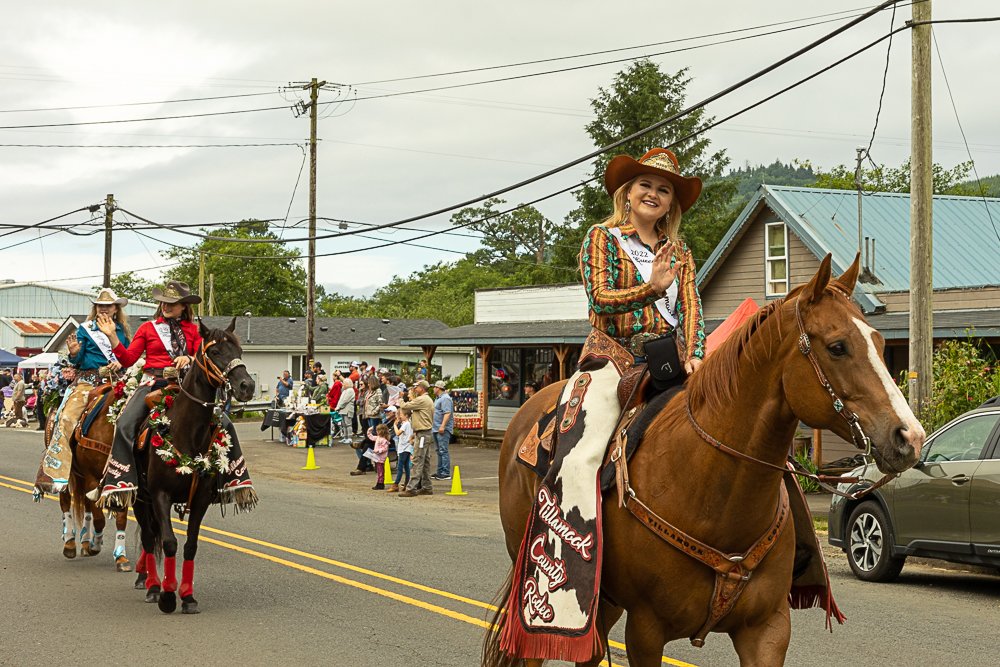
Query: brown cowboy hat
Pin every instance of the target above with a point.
(659, 161)
(175, 292)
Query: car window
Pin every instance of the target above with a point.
(962, 442)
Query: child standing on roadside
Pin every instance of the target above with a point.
(404, 448)
(380, 435)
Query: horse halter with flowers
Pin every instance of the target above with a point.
(858, 435)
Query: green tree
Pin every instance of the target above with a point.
(131, 286)
(520, 235)
(273, 283)
(639, 96)
(896, 179)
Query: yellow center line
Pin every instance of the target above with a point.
(347, 582)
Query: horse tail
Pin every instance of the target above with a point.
(493, 655)
(78, 501)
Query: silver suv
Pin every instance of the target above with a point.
(947, 506)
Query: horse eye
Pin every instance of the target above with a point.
(837, 349)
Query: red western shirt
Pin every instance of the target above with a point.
(147, 340)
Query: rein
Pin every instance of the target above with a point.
(216, 377)
(858, 435)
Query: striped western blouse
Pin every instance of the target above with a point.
(620, 302)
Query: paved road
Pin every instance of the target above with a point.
(326, 571)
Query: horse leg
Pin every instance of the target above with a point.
(188, 604)
(644, 638)
(764, 644)
(68, 525)
(161, 515)
(100, 521)
(607, 616)
(120, 554)
(146, 568)
(87, 534)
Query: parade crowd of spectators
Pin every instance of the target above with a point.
(373, 408)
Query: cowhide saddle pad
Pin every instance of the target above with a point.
(538, 447)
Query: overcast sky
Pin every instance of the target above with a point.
(384, 159)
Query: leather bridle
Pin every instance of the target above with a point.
(861, 439)
(218, 378)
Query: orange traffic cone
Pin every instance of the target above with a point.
(456, 484)
(310, 460)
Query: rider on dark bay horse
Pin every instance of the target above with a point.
(643, 303)
(169, 341)
(89, 351)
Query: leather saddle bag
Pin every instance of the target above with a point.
(664, 363)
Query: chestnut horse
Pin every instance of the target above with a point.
(85, 474)
(217, 366)
(749, 394)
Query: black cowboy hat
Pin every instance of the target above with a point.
(175, 292)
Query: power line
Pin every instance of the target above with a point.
(590, 65)
(600, 151)
(958, 121)
(91, 209)
(136, 104)
(607, 51)
(142, 120)
(885, 78)
(255, 145)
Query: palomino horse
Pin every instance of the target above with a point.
(749, 394)
(90, 454)
(193, 433)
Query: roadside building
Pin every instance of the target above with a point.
(31, 312)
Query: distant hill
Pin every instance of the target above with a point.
(991, 185)
(749, 178)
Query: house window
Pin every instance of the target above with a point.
(505, 376)
(775, 259)
(298, 366)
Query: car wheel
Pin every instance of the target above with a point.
(869, 545)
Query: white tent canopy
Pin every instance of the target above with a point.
(43, 360)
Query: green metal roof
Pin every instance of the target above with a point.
(966, 235)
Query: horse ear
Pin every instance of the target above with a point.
(203, 330)
(849, 278)
(232, 326)
(814, 290)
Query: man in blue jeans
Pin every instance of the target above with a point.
(442, 427)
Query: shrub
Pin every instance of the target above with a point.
(806, 463)
(964, 377)
(464, 380)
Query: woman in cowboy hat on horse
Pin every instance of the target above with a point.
(89, 351)
(644, 307)
(170, 340)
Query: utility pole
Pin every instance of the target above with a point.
(313, 87)
(858, 185)
(921, 209)
(109, 209)
(211, 294)
(201, 283)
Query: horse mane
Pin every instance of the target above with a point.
(719, 378)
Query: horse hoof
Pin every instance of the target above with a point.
(69, 549)
(86, 550)
(153, 594)
(122, 565)
(140, 581)
(167, 602)
(189, 605)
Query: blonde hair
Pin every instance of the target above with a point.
(119, 317)
(669, 225)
